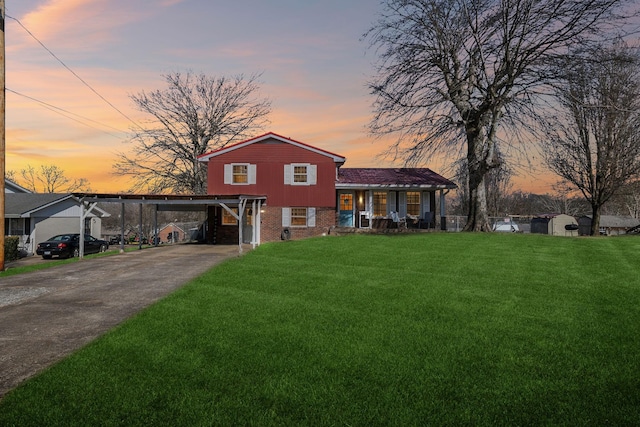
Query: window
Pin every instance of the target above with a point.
(300, 174)
(298, 217)
(240, 174)
(346, 202)
(16, 227)
(413, 203)
(379, 204)
(227, 218)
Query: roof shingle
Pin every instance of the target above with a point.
(404, 177)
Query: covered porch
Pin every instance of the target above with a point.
(388, 199)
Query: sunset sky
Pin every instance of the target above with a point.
(313, 61)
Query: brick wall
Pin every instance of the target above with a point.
(272, 224)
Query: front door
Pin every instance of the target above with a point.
(345, 217)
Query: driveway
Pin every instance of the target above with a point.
(45, 315)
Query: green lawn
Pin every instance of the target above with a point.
(431, 329)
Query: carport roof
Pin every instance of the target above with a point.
(168, 200)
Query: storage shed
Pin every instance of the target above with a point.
(555, 224)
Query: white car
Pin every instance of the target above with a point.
(506, 226)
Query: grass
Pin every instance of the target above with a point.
(12, 271)
(432, 329)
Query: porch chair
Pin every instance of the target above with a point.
(401, 222)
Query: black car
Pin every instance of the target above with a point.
(66, 246)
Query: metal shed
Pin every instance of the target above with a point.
(555, 225)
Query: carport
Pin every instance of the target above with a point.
(170, 203)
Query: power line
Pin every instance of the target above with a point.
(67, 114)
(73, 72)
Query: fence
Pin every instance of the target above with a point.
(523, 222)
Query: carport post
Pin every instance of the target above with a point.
(155, 225)
(140, 227)
(81, 237)
(122, 228)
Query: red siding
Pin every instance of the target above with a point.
(270, 156)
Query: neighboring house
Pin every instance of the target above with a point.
(12, 187)
(610, 225)
(307, 192)
(36, 217)
(555, 224)
(172, 233)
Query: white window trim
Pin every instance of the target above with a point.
(312, 174)
(251, 173)
(311, 217)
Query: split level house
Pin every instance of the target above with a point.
(306, 191)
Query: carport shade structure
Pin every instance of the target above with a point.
(166, 202)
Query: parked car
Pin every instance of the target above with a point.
(115, 240)
(66, 246)
(506, 226)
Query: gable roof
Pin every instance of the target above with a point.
(613, 221)
(22, 205)
(12, 187)
(335, 157)
(391, 178)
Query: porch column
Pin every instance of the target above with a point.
(370, 207)
(443, 217)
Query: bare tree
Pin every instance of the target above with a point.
(192, 116)
(497, 186)
(452, 72)
(563, 201)
(48, 179)
(593, 141)
(629, 199)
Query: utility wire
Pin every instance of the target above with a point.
(67, 114)
(73, 72)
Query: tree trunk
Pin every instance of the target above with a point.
(595, 220)
(477, 219)
(479, 151)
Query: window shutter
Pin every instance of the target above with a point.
(286, 217)
(312, 174)
(402, 209)
(311, 217)
(228, 174)
(252, 171)
(391, 202)
(287, 174)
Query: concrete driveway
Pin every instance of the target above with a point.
(47, 314)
